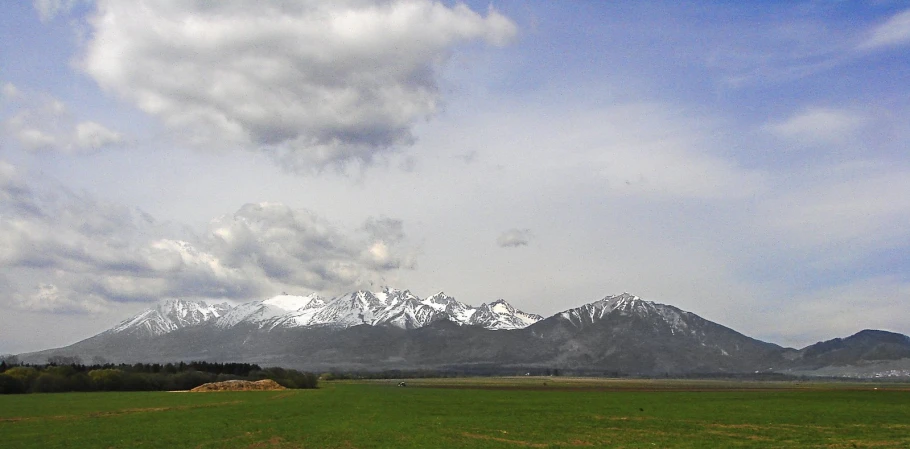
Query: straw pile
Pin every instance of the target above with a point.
(240, 385)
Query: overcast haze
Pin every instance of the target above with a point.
(745, 161)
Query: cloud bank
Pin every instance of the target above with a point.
(68, 252)
(312, 83)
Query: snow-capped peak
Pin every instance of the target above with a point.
(592, 312)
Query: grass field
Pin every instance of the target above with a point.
(494, 412)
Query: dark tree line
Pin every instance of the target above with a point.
(61, 377)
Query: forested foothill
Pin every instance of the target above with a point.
(62, 374)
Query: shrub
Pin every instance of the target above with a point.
(25, 374)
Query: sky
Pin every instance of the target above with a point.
(745, 161)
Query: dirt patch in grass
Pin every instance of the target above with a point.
(735, 435)
(14, 419)
(622, 418)
(739, 426)
(274, 442)
(503, 440)
(574, 442)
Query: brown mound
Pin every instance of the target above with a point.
(240, 385)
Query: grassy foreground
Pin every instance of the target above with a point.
(505, 413)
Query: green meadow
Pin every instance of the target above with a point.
(480, 413)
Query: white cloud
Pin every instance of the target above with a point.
(381, 256)
(819, 126)
(91, 135)
(48, 9)
(10, 91)
(312, 83)
(513, 238)
(35, 139)
(43, 123)
(895, 31)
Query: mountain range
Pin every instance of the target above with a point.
(395, 329)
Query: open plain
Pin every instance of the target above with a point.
(547, 412)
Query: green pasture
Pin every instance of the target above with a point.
(481, 413)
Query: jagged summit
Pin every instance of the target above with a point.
(500, 314)
(439, 298)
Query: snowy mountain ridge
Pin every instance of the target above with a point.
(169, 316)
(388, 307)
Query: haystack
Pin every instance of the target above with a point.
(240, 385)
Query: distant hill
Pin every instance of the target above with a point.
(868, 353)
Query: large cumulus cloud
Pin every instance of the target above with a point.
(62, 251)
(311, 82)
